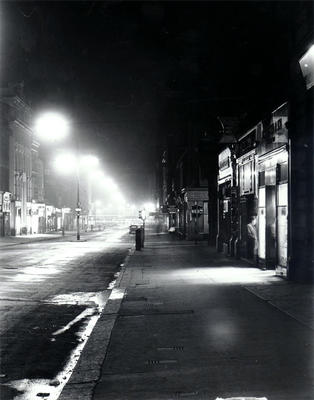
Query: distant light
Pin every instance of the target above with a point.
(51, 126)
(66, 163)
(110, 184)
(149, 207)
(306, 65)
(89, 161)
(97, 175)
(118, 198)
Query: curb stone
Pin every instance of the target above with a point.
(87, 370)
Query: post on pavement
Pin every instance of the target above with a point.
(78, 209)
(142, 216)
(138, 239)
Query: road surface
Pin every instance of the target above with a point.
(51, 295)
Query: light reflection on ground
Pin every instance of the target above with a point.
(67, 251)
(31, 388)
(222, 275)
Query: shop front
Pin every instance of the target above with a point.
(50, 218)
(227, 203)
(37, 221)
(5, 213)
(273, 205)
(246, 245)
(16, 218)
(196, 201)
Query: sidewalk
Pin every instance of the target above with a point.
(39, 237)
(186, 323)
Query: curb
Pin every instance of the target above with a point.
(87, 371)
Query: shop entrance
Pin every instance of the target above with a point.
(282, 228)
(273, 217)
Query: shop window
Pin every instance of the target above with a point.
(247, 178)
(282, 172)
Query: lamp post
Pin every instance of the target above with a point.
(50, 127)
(74, 163)
(78, 204)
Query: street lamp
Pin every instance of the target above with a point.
(51, 126)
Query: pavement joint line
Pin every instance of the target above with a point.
(270, 302)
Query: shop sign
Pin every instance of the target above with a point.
(246, 177)
(248, 142)
(49, 210)
(224, 159)
(277, 131)
(196, 195)
(41, 211)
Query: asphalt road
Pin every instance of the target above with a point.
(51, 295)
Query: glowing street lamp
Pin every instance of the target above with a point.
(51, 126)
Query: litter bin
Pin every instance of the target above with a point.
(138, 239)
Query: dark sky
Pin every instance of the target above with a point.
(129, 72)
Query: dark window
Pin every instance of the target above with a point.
(282, 172)
(261, 178)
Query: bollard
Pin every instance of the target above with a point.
(138, 239)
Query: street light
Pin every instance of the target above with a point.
(51, 126)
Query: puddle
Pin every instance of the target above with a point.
(97, 299)
(50, 389)
(86, 313)
(46, 389)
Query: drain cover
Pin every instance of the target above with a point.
(179, 395)
(241, 398)
(173, 348)
(156, 362)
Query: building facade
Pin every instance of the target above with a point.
(301, 136)
(22, 178)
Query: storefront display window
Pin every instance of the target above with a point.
(247, 178)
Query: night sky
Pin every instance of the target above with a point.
(127, 73)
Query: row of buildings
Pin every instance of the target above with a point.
(250, 192)
(31, 199)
